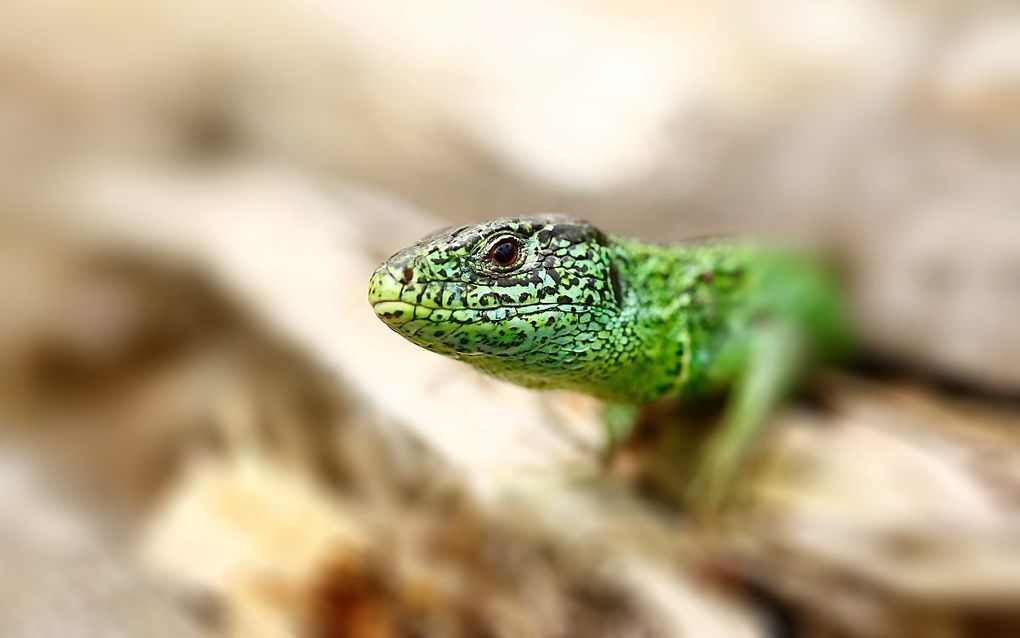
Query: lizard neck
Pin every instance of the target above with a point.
(674, 299)
(649, 334)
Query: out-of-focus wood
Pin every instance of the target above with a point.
(881, 509)
(895, 510)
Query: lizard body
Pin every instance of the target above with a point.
(549, 301)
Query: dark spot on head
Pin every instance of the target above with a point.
(564, 300)
(614, 281)
(577, 232)
(708, 277)
(572, 233)
(489, 299)
(406, 275)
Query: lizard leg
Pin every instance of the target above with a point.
(775, 360)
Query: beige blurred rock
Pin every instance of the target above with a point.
(941, 286)
(579, 97)
(63, 578)
(978, 81)
(897, 512)
(254, 533)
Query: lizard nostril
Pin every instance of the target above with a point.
(406, 275)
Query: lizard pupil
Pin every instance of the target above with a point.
(505, 252)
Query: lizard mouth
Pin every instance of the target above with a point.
(393, 311)
(384, 293)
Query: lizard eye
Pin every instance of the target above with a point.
(506, 252)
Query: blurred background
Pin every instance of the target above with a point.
(204, 431)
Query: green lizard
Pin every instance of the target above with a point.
(549, 301)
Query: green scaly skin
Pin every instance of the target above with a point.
(626, 321)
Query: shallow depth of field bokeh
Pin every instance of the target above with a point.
(204, 431)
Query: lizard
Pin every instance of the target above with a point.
(550, 301)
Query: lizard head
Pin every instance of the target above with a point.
(527, 299)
